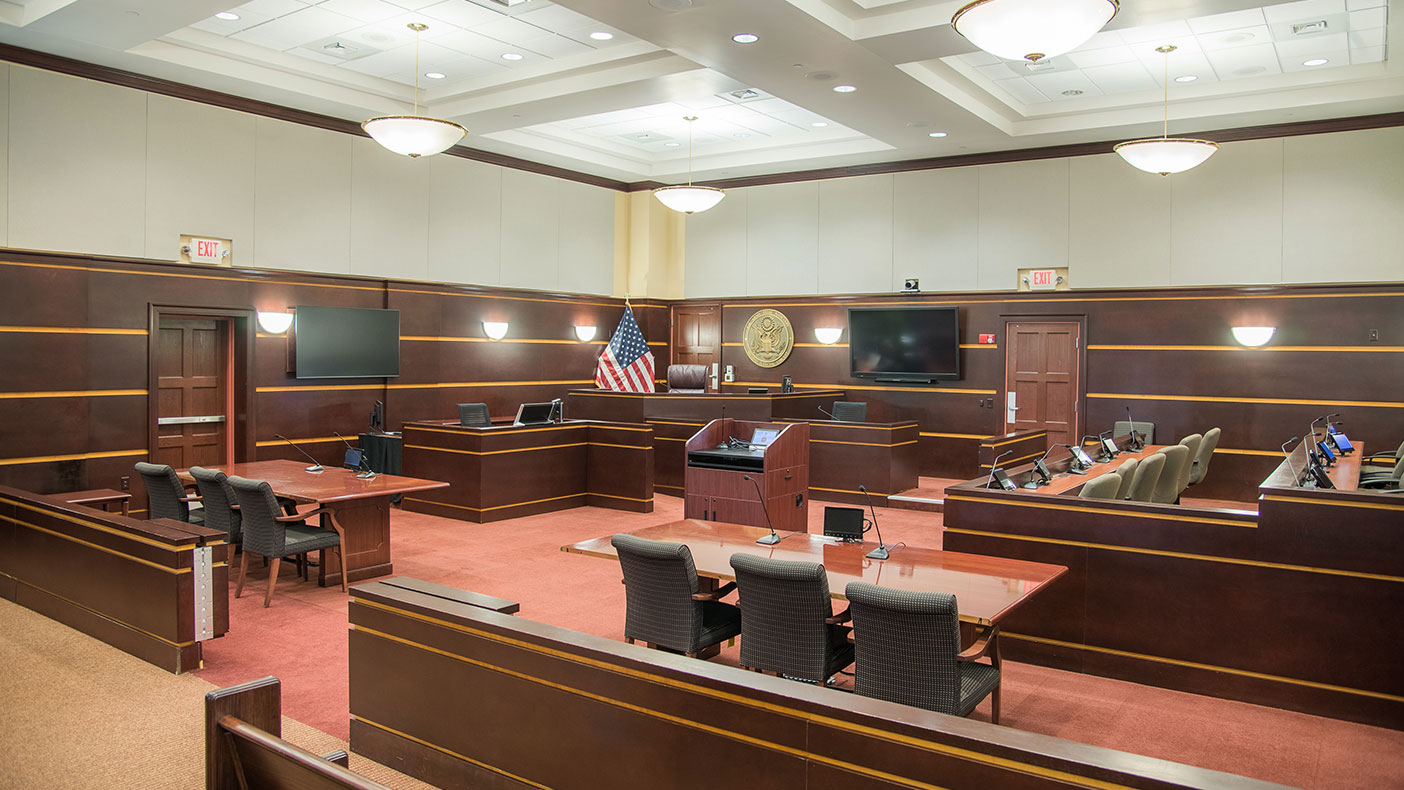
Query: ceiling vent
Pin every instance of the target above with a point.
(340, 49)
(1038, 66)
(1308, 28)
(745, 94)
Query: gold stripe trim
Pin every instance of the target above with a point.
(996, 300)
(1271, 401)
(1020, 439)
(512, 431)
(91, 545)
(1110, 512)
(1266, 453)
(1011, 461)
(616, 496)
(526, 299)
(72, 330)
(40, 459)
(1387, 349)
(862, 444)
(1181, 555)
(1210, 667)
(72, 394)
(302, 439)
(951, 435)
(465, 758)
(622, 446)
(922, 388)
(105, 616)
(428, 339)
(99, 527)
(495, 452)
(441, 385)
(501, 507)
(665, 422)
(1331, 502)
(661, 485)
(669, 439)
(892, 737)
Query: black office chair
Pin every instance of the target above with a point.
(220, 509)
(908, 651)
(474, 415)
(273, 536)
(788, 624)
(166, 496)
(663, 607)
(850, 411)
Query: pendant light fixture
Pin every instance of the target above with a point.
(1032, 29)
(414, 135)
(1166, 154)
(689, 199)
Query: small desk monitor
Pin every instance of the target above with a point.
(1326, 453)
(764, 436)
(1342, 443)
(1002, 478)
(1082, 457)
(354, 458)
(533, 414)
(843, 522)
(1042, 469)
(1109, 447)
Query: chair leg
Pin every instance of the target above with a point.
(272, 580)
(994, 706)
(341, 566)
(243, 571)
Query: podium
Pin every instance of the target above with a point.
(715, 484)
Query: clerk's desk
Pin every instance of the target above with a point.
(506, 471)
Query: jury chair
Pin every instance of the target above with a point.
(274, 537)
(1147, 476)
(1377, 463)
(474, 415)
(1101, 487)
(662, 603)
(850, 411)
(221, 512)
(1127, 471)
(1167, 488)
(1204, 456)
(907, 650)
(1386, 480)
(166, 495)
(1145, 429)
(1192, 443)
(788, 624)
(687, 378)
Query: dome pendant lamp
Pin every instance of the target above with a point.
(1166, 154)
(1032, 29)
(414, 135)
(689, 199)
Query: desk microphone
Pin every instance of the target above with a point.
(316, 465)
(827, 414)
(772, 538)
(879, 553)
(1101, 451)
(1136, 442)
(1288, 457)
(1075, 466)
(363, 469)
(993, 467)
(1108, 453)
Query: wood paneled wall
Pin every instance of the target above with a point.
(74, 345)
(1167, 353)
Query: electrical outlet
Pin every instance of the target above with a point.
(1374, 335)
(126, 483)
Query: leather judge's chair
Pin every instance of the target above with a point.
(788, 624)
(663, 606)
(1101, 487)
(1205, 455)
(687, 378)
(850, 411)
(474, 415)
(273, 536)
(166, 495)
(1167, 488)
(1127, 471)
(907, 650)
(1148, 474)
(221, 512)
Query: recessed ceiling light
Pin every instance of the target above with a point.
(936, 134)
(742, 134)
(745, 38)
(671, 145)
(228, 16)
(600, 35)
(1186, 78)
(1316, 62)
(820, 124)
(1248, 71)
(511, 56)
(1237, 38)
(844, 89)
(1072, 92)
(435, 75)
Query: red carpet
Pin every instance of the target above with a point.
(302, 640)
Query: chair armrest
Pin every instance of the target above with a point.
(321, 511)
(715, 595)
(1373, 457)
(191, 498)
(981, 646)
(1378, 482)
(840, 618)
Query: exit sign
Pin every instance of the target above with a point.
(1043, 279)
(206, 250)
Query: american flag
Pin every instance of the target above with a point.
(626, 364)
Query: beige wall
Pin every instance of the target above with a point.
(1323, 208)
(96, 168)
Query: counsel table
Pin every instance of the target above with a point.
(986, 588)
(362, 508)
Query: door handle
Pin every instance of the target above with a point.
(190, 420)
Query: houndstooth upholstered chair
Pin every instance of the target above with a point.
(663, 605)
(788, 624)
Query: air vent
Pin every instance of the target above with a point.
(745, 94)
(509, 3)
(1038, 66)
(1308, 28)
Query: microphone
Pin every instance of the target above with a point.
(772, 538)
(1075, 466)
(316, 465)
(993, 467)
(1101, 451)
(1136, 443)
(827, 414)
(1288, 457)
(363, 469)
(879, 553)
(1108, 454)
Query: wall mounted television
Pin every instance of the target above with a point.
(346, 342)
(906, 345)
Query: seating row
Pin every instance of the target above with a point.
(1160, 478)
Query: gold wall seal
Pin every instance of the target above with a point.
(768, 338)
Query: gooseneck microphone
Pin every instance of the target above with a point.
(995, 466)
(1136, 442)
(1288, 456)
(826, 414)
(1101, 451)
(879, 553)
(316, 465)
(772, 538)
(1075, 465)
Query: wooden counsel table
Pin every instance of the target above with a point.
(362, 508)
(986, 588)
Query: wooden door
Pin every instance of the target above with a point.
(697, 336)
(1041, 365)
(192, 392)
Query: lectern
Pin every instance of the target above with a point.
(716, 488)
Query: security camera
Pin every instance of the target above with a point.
(911, 285)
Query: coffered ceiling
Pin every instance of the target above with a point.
(602, 86)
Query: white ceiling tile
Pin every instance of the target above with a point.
(270, 8)
(1240, 62)
(1158, 34)
(1356, 5)
(1106, 38)
(225, 27)
(1367, 55)
(703, 102)
(665, 109)
(412, 5)
(1368, 18)
(1022, 91)
(1239, 37)
(398, 64)
(767, 125)
(1105, 56)
(766, 105)
(509, 30)
(1292, 12)
(470, 43)
(978, 58)
(319, 57)
(998, 71)
(556, 18)
(1374, 37)
(1122, 78)
(297, 28)
(457, 12)
(1333, 58)
(1053, 84)
(1185, 49)
(554, 46)
(1311, 46)
(363, 10)
(1233, 20)
(582, 34)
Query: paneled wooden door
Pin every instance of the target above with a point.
(697, 337)
(194, 401)
(1041, 365)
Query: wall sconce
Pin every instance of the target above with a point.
(584, 333)
(1253, 336)
(495, 329)
(275, 323)
(828, 335)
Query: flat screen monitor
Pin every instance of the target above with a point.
(1083, 459)
(1042, 469)
(533, 413)
(1109, 447)
(1326, 453)
(1342, 443)
(354, 458)
(843, 522)
(1002, 478)
(346, 342)
(904, 344)
(764, 436)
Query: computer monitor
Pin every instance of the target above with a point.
(533, 414)
(764, 436)
(843, 522)
(354, 458)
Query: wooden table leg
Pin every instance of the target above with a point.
(367, 549)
